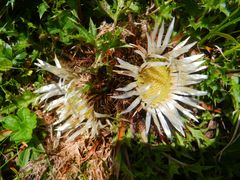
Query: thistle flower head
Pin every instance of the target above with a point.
(74, 110)
(162, 83)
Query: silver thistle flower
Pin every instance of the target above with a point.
(162, 84)
(76, 116)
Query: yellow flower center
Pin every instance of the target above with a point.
(77, 103)
(160, 80)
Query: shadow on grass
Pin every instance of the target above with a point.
(136, 160)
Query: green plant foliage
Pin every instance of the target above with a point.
(5, 56)
(42, 8)
(116, 9)
(21, 125)
(235, 91)
(164, 10)
(90, 35)
(216, 5)
(22, 101)
(30, 153)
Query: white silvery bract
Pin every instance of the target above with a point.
(162, 83)
(76, 116)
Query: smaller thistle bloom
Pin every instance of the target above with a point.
(162, 83)
(76, 115)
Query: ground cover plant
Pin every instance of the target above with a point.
(114, 89)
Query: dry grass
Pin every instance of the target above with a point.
(82, 158)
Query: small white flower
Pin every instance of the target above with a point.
(76, 115)
(162, 84)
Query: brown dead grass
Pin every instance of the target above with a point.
(83, 158)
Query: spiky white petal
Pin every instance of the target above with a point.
(127, 73)
(192, 58)
(167, 37)
(126, 95)
(127, 66)
(163, 122)
(148, 121)
(57, 70)
(46, 88)
(187, 101)
(186, 112)
(172, 116)
(155, 119)
(55, 103)
(160, 35)
(181, 44)
(129, 87)
(177, 52)
(189, 91)
(132, 106)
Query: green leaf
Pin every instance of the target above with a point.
(5, 64)
(107, 8)
(21, 56)
(24, 157)
(26, 99)
(22, 135)
(9, 109)
(118, 7)
(83, 33)
(21, 45)
(22, 101)
(7, 50)
(109, 40)
(34, 54)
(226, 36)
(217, 5)
(92, 28)
(228, 21)
(135, 7)
(42, 8)
(22, 125)
(235, 92)
(28, 118)
(32, 152)
(11, 122)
